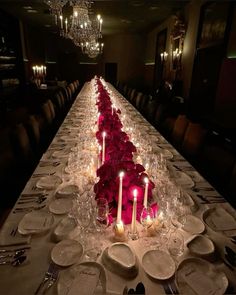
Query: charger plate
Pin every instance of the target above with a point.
(67, 252)
(35, 222)
(86, 278)
(197, 276)
(158, 264)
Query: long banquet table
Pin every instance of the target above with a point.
(24, 279)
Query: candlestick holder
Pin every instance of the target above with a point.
(133, 235)
(119, 231)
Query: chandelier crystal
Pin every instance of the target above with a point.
(56, 7)
(84, 31)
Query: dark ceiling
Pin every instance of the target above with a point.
(119, 15)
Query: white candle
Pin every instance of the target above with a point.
(99, 152)
(101, 21)
(66, 24)
(121, 175)
(61, 18)
(145, 192)
(134, 212)
(103, 146)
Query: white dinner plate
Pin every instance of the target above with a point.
(67, 252)
(66, 226)
(69, 190)
(49, 182)
(201, 246)
(158, 264)
(60, 154)
(61, 206)
(183, 179)
(197, 276)
(193, 225)
(67, 138)
(221, 220)
(35, 222)
(120, 258)
(82, 279)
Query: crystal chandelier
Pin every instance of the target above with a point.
(82, 30)
(92, 48)
(56, 7)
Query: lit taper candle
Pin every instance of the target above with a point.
(103, 146)
(134, 212)
(145, 192)
(121, 176)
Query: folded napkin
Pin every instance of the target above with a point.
(9, 236)
(85, 282)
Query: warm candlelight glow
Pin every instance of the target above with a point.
(145, 192)
(133, 231)
(103, 146)
(119, 210)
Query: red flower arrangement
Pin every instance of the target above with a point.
(118, 157)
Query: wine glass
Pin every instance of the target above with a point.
(102, 213)
(146, 218)
(176, 244)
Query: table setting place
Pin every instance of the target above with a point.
(113, 208)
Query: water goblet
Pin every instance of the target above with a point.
(146, 219)
(176, 244)
(102, 213)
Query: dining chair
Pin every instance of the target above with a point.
(34, 133)
(138, 99)
(143, 103)
(232, 187)
(133, 95)
(179, 129)
(150, 109)
(216, 164)
(193, 139)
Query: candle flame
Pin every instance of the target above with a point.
(146, 180)
(121, 175)
(135, 193)
(104, 134)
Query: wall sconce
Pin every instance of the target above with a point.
(164, 56)
(176, 58)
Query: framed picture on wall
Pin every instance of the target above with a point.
(213, 23)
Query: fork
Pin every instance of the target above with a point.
(23, 209)
(52, 279)
(47, 276)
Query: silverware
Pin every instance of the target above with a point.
(230, 256)
(14, 250)
(52, 279)
(46, 164)
(47, 276)
(42, 174)
(206, 189)
(14, 255)
(173, 287)
(15, 262)
(38, 200)
(24, 209)
(32, 195)
(14, 231)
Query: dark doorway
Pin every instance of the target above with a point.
(204, 80)
(159, 64)
(111, 72)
